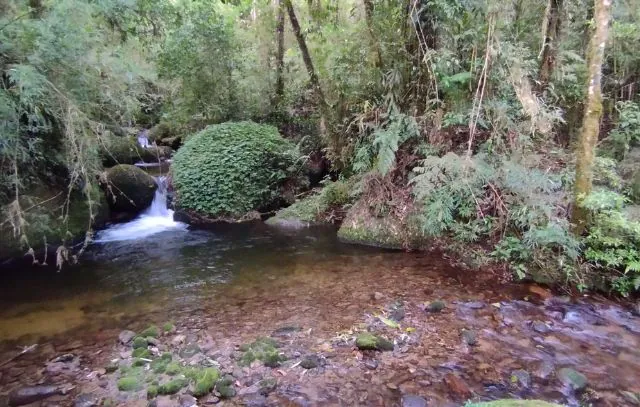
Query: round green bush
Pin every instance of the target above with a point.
(129, 189)
(230, 169)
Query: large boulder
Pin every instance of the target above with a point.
(129, 189)
(362, 225)
(126, 150)
(229, 170)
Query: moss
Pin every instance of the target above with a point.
(173, 369)
(129, 383)
(141, 353)
(160, 365)
(225, 389)
(513, 403)
(168, 327)
(172, 386)
(152, 392)
(263, 349)
(139, 362)
(129, 189)
(435, 306)
(152, 331)
(140, 342)
(369, 341)
(206, 382)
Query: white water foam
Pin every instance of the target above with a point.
(155, 219)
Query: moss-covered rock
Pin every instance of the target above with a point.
(152, 392)
(386, 230)
(229, 170)
(140, 343)
(205, 382)
(324, 206)
(435, 306)
(264, 350)
(141, 352)
(225, 387)
(126, 150)
(152, 331)
(572, 378)
(513, 403)
(173, 386)
(369, 341)
(129, 189)
(129, 383)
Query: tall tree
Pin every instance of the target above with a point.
(585, 149)
(306, 57)
(550, 44)
(368, 11)
(279, 55)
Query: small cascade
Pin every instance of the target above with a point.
(155, 219)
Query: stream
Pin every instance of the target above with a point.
(226, 286)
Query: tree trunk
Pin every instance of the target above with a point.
(550, 43)
(306, 57)
(279, 55)
(585, 149)
(368, 11)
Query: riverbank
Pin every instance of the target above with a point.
(313, 296)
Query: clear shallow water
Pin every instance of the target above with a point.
(234, 283)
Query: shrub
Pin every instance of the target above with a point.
(613, 240)
(229, 169)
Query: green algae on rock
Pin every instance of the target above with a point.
(369, 341)
(129, 383)
(262, 349)
(172, 386)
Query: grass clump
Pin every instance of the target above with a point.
(168, 327)
(369, 341)
(206, 382)
(152, 392)
(140, 342)
(141, 353)
(173, 369)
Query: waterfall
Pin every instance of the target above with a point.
(155, 219)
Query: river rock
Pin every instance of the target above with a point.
(126, 336)
(521, 376)
(435, 306)
(540, 327)
(572, 378)
(475, 304)
(457, 386)
(178, 340)
(187, 400)
(32, 394)
(371, 364)
(410, 400)
(67, 357)
(544, 371)
(469, 337)
(310, 362)
(86, 400)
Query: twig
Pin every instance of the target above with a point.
(25, 350)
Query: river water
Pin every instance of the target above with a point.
(229, 285)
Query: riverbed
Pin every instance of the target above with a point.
(226, 287)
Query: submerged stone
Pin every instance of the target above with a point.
(27, 395)
(126, 336)
(310, 362)
(469, 337)
(410, 400)
(522, 377)
(435, 306)
(572, 378)
(129, 383)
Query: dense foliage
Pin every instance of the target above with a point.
(229, 169)
(459, 115)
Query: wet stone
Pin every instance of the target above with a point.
(540, 327)
(86, 400)
(126, 336)
(285, 331)
(67, 357)
(572, 379)
(310, 362)
(521, 377)
(469, 337)
(371, 364)
(27, 395)
(475, 304)
(186, 400)
(544, 371)
(410, 400)
(435, 306)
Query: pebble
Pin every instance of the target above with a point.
(186, 400)
(126, 336)
(544, 371)
(67, 357)
(540, 327)
(371, 364)
(469, 337)
(86, 400)
(572, 378)
(410, 400)
(377, 296)
(475, 304)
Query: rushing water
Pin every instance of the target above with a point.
(235, 283)
(155, 219)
